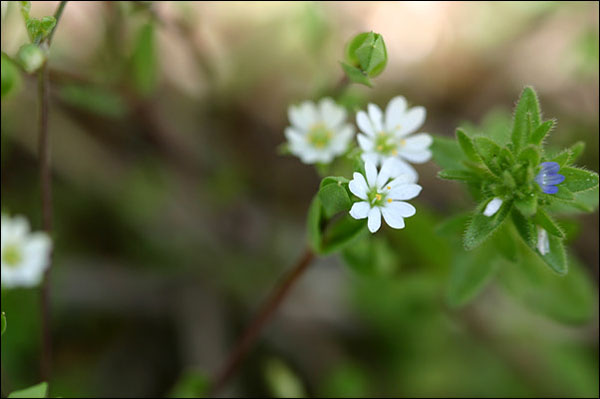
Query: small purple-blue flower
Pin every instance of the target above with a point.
(548, 177)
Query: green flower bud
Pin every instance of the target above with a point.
(31, 57)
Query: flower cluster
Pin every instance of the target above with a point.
(319, 133)
(25, 256)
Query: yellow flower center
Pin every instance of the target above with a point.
(319, 136)
(12, 255)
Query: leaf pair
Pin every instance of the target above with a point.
(366, 57)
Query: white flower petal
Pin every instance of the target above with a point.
(390, 169)
(406, 171)
(492, 207)
(360, 210)
(543, 245)
(374, 222)
(358, 186)
(364, 123)
(376, 117)
(415, 157)
(394, 113)
(371, 173)
(417, 142)
(365, 142)
(372, 157)
(332, 114)
(340, 141)
(403, 209)
(392, 217)
(404, 191)
(412, 120)
(304, 115)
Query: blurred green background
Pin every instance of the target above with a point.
(175, 215)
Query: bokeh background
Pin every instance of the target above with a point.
(176, 215)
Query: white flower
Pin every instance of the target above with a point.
(390, 136)
(318, 133)
(25, 256)
(383, 194)
(492, 207)
(543, 245)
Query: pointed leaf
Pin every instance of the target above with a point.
(481, 227)
(542, 131)
(544, 220)
(36, 391)
(562, 158)
(577, 180)
(525, 228)
(489, 152)
(467, 146)
(356, 75)
(468, 277)
(527, 112)
(457, 174)
(528, 205)
(576, 151)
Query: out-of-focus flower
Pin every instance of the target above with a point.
(383, 194)
(390, 135)
(25, 256)
(548, 177)
(543, 245)
(318, 132)
(492, 207)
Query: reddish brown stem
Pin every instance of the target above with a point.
(258, 323)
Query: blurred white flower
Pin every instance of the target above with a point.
(383, 194)
(318, 132)
(543, 245)
(390, 135)
(25, 256)
(492, 207)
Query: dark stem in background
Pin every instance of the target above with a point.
(264, 315)
(46, 188)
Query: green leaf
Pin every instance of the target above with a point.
(36, 391)
(3, 326)
(544, 220)
(144, 63)
(95, 99)
(192, 384)
(282, 381)
(556, 257)
(457, 174)
(577, 180)
(314, 223)
(447, 153)
(528, 205)
(371, 256)
(576, 151)
(334, 198)
(33, 26)
(489, 152)
(341, 232)
(563, 194)
(481, 227)
(31, 57)
(562, 158)
(46, 25)
(468, 277)
(538, 135)
(530, 154)
(505, 243)
(525, 228)
(467, 146)
(527, 114)
(11, 76)
(567, 299)
(356, 75)
(25, 9)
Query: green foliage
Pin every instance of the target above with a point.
(334, 195)
(37, 391)
(282, 381)
(495, 168)
(11, 77)
(366, 57)
(3, 321)
(371, 256)
(192, 384)
(144, 62)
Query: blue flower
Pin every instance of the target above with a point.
(548, 177)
